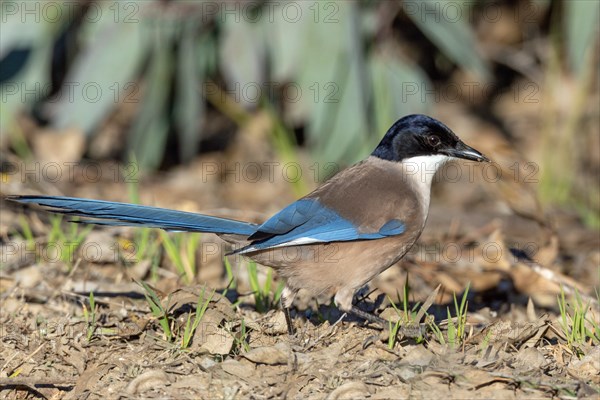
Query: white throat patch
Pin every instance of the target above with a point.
(423, 168)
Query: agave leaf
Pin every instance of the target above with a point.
(25, 54)
(398, 90)
(94, 85)
(148, 135)
(243, 54)
(189, 107)
(18, 32)
(330, 80)
(284, 38)
(450, 31)
(348, 134)
(292, 52)
(582, 31)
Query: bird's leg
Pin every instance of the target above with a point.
(286, 299)
(369, 317)
(288, 320)
(344, 298)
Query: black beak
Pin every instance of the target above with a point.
(461, 150)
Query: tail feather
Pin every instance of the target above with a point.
(123, 214)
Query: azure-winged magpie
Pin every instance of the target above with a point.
(333, 240)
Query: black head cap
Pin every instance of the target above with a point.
(419, 135)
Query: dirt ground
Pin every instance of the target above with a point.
(514, 343)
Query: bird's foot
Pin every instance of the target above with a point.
(369, 317)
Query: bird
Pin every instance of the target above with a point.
(333, 240)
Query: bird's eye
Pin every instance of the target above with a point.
(433, 140)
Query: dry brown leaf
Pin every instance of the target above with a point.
(215, 341)
(238, 368)
(189, 296)
(210, 336)
(547, 255)
(349, 391)
(271, 324)
(529, 358)
(418, 355)
(588, 368)
(270, 355)
(531, 316)
(89, 379)
(29, 277)
(400, 391)
(147, 381)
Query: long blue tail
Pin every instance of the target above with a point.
(123, 214)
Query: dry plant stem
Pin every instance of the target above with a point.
(428, 302)
(29, 356)
(33, 382)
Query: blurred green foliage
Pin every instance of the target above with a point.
(341, 70)
(310, 55)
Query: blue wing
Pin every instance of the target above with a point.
(303, 222)
(307, 221)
